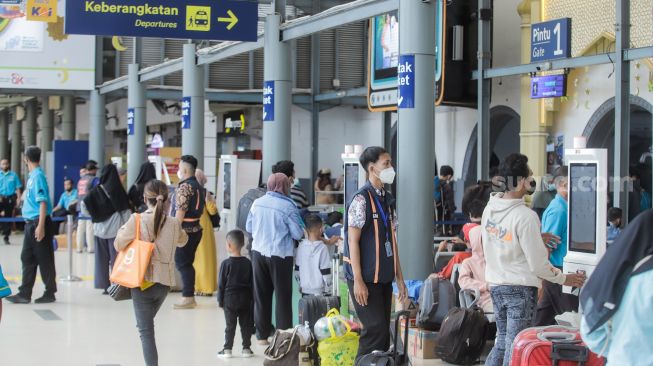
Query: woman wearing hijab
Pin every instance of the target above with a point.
(105, 231)
(274, 223)
(205, 263)
(146, 174)
(472, 270)
(617, 300)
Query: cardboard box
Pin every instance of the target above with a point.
(421, 343)
(407, 304)
(62, 240)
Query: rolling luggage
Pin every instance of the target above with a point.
(437, 297)
(555, 345)
(462, 336)
(394, 357)
(312, 308)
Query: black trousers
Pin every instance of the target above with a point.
(553, 302)
(184, 258)
(238, 308)
(37, 254)
(7, 205)
(375, 317)
(105, 257)
(272, 276)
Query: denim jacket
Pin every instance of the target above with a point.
(274, 222)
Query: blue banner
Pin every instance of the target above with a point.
(548, 86)
(130, 121)
(551, 40)
(185, 113)
(226, 20)
(406, 81)
(10, 2)
(268, 101)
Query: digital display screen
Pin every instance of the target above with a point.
(351, 181)
(549, 86)
(582, 207)
(386, 35)
(226, 199)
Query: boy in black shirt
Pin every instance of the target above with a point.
(235, 295)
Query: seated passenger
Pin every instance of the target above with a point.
(472, 271)
(312, 261)
(459, 243)
(68, 198)
(458, 257)
(617, 300)
(614, 223)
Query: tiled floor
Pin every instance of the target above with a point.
(85, 328)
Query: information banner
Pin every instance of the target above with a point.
(551, 40)
(226, 20)
(130, 121)
(185, 113)
(406, 81)
(268, 101)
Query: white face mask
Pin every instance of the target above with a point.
(179, 175)
(387, 175)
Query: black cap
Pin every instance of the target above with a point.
(91, 165)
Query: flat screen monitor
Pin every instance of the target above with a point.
(227, 186)
(351, 179)
(582, 207)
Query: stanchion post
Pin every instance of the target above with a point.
(69, 238)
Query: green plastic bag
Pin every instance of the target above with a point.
(338, 351)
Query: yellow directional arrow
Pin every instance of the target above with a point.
(232, 19)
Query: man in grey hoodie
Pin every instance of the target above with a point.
(516, 257)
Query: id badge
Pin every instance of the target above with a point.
(388, 249)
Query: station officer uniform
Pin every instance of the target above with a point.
(9, 186)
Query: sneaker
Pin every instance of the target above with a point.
(186, 303)
(247, 353)
(18, 299)
(225, 353)
(45, 299)
(263, 342)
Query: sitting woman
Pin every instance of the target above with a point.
(323, 184)
(472, 271)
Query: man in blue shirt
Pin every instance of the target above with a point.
(9, 192)
(554, 220)
(37, 246)
(68, 197)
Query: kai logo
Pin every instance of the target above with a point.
(42, 10)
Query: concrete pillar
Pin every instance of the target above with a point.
(136, 135)
(16, 142)
(47, 128)
(4, 134)
(416, 146)
(277, 68)
(68, 118)
(622, 108)
(30, 122)
(97, 120)
(192, 137)
(484, 89)
(533, 132)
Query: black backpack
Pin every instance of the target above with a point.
(397, 355)
(245, 204)
(437, 297)
(462, 336)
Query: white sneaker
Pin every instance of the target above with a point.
(263, 342)
(225, 353)
(247, 353)
(186, 303)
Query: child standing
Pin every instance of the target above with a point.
(313, 262)
(235, 289)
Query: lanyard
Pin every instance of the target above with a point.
(383, 217)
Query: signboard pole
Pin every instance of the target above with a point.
(97, 121)
(135, 140)
(416, 143)
(278, 87)
(483, 94)
(622, 108)
(192, 133)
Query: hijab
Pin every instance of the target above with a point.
(110, 180)
(602, 294)
(278, 182)
(145, 175)
(201, 177)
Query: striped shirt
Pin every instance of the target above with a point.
(299, 197)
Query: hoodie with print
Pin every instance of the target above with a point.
(515, 254)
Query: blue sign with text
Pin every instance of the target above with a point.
(130, 121)
(10, 2)
(551, 40)
(406, 81)
(268, 101)
(185, 113)
(549, 86)
(226, 20)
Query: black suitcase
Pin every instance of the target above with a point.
(395, 356)
(312, 308)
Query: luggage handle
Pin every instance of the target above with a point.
(558, 337)
(569, 352)
(403, 313)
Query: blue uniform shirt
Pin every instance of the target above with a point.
(9, 183)
(554, 220)
(66, 198)
(37, 192)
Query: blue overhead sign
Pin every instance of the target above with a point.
(549, 86)
(130, 121)
(551, 40)
(10, 2)
(226, 20)
(406, 81)
(185, 113)
(268, 101)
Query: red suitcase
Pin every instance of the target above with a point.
(554, 345)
